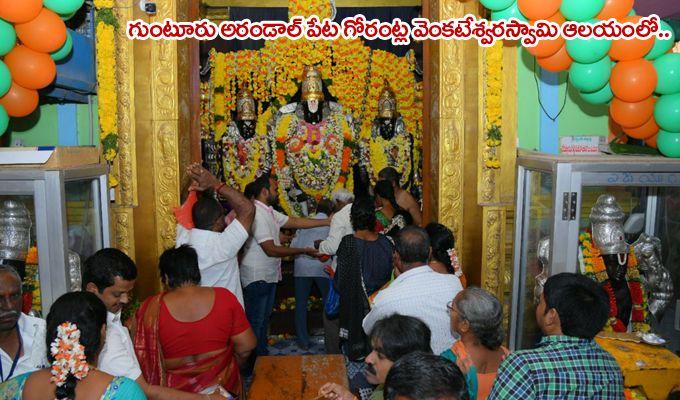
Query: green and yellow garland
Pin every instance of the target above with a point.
(493, 107)
(106, 25)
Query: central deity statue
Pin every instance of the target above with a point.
(246, 152)
(314, 147)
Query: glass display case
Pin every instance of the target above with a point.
(555, 195)
(61, 212)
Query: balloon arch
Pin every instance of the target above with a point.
(638, 79)
(32, 37)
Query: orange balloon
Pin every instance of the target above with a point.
(29, 68)
(559, 61)
(19, 101)
(626, 50)
(546, 48)
(539, 9)
(631, 115)
(615, 9)
(651, 142)
(634, 80)
(45, 33)
(18, 11)
(647, 130)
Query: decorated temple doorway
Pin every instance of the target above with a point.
(317, 115)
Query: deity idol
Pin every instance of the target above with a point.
(314, 147)
(246, 152)
(390, 145)
(657, 279)
(608, 259)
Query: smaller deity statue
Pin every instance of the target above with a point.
(608, 259)
(657, 280)
(246, 151)
(390, 144)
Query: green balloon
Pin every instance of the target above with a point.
(668, 71)
(602, 96)
(510, 12)
(5, 79)
(496, 5)
(63, 6)
(668, 143)
(667, 112)
(590, 77)
(4, 120)
(661, 47)
(587, 51)
(65, 49)
(581, 10)
(8, 37)
(631, 13)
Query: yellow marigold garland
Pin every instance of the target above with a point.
(106, 80)
(306, 8)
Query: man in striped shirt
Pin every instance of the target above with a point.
(567, 363)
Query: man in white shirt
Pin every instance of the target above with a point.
(217, 247)
(418, 291)
(341, 226)
(22, 337)
(110, 274)
(261, 263)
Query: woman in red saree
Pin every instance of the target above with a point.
(192, 338)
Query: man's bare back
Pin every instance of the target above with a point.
(406, 201)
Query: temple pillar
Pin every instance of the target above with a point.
(453, 131)
(152, 113)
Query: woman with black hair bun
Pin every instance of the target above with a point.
(444, 257)
(76, 328)
(390, 218)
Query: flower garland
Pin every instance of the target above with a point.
(493, 107)
(206, 112)
(69, 355)
(306, 8)
(380, 155)
(106, 25)
(304, 157)
(594, 267)
(31, 286)
(633, 394)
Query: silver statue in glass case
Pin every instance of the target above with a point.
(657, 279)
(15, 234)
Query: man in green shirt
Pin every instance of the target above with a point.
(567, 364)
(391, 338)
